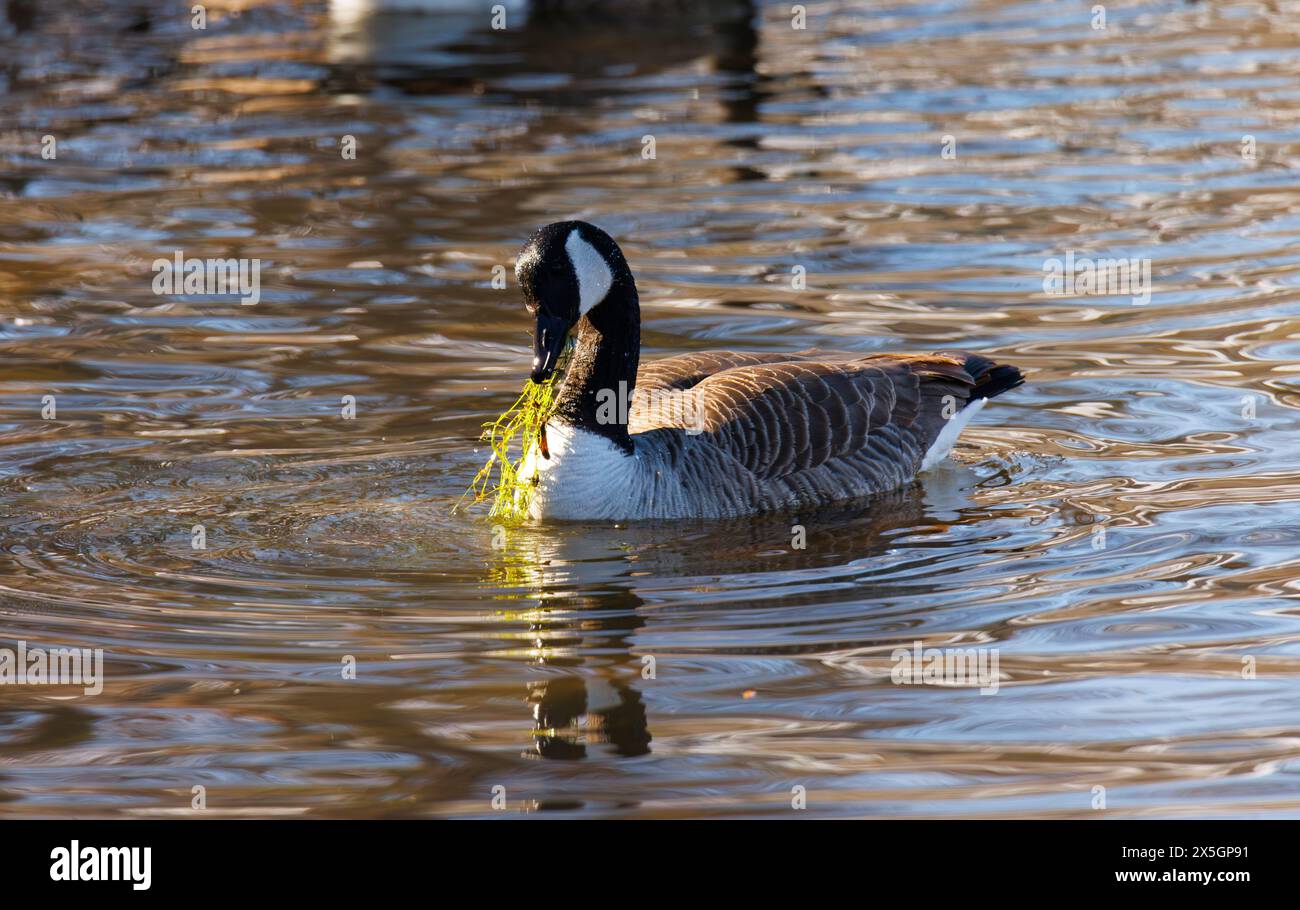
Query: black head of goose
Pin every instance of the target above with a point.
(719, 434)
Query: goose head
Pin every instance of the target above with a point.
(571, 271)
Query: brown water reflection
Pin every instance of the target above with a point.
(658, 670)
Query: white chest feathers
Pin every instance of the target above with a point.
(586, 477)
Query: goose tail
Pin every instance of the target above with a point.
(991, 378)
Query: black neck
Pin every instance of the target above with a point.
(606, 354)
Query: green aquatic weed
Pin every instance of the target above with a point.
(502, 479)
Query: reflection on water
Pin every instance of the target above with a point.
(1122, 529)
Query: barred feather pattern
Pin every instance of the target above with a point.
(768, 432)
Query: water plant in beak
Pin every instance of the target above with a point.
(504, 480)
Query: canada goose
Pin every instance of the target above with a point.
(719, 434)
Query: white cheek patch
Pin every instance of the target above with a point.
(594, 277)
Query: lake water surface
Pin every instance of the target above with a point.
(1124, 531)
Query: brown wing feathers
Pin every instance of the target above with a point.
(780, 419)
(687, 370)
(779, 415)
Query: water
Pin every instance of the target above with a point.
(1122, 530)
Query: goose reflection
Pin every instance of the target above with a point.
(590, 590)
(572, 713)
(584, 642)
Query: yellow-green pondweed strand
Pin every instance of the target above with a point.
(501, 479)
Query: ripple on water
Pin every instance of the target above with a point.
(1120, 531)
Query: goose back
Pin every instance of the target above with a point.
(754, 432)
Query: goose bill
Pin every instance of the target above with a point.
(548, 343)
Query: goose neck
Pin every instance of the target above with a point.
(596, 392)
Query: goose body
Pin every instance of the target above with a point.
(720, 434)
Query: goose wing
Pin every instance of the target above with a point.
(685, 371)
(780, 418)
